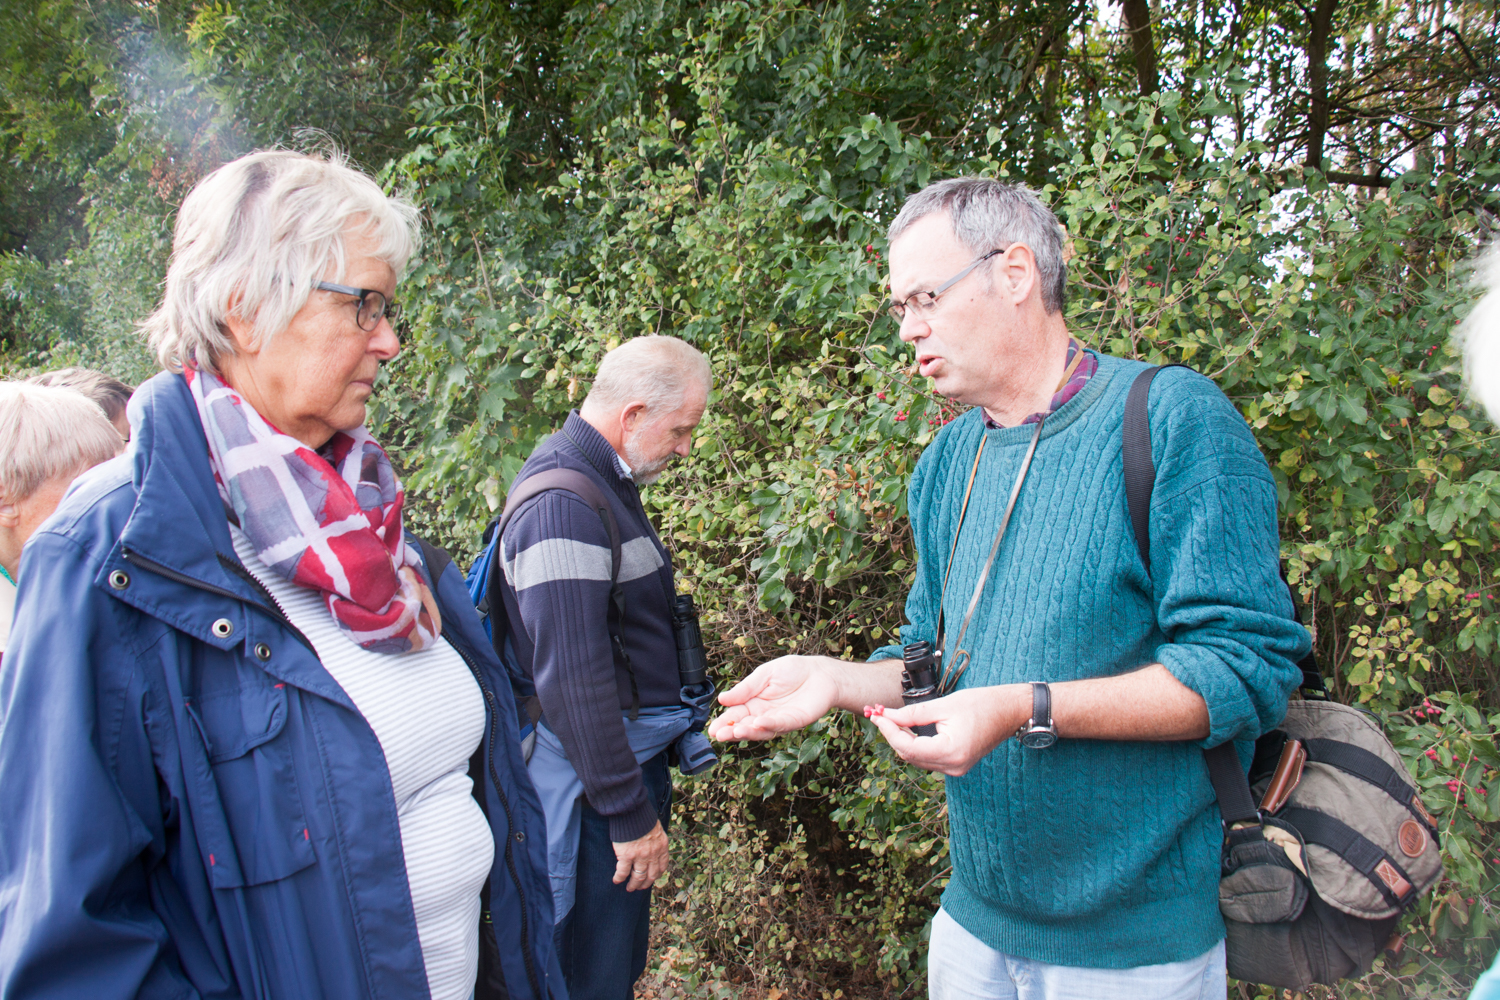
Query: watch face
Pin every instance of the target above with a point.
(1039, 739)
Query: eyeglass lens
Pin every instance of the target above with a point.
(919, 303)
(372, 308)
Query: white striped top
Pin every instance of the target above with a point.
(428, 714)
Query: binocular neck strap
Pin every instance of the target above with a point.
(952, 672)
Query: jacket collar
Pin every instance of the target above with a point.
(178, 520)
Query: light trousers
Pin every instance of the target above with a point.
(962, 967)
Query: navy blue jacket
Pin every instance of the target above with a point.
(557, 562)
(192, 805)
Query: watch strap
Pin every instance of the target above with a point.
(1041, 711)
(1041, 704)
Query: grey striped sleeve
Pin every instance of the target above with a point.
(638, 558)
(554, 559)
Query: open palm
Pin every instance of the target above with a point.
(787, 693)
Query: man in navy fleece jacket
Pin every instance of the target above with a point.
(611, 712)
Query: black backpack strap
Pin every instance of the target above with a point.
(1140, 478)
(574, 482)
(1363, 764)
(1236, 805)
(1230, 785)
(1140, 471)
(1313, 687)
(583, 487)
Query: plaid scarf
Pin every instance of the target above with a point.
(328, 519)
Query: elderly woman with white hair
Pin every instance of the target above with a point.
(47, 437)
(276, 757)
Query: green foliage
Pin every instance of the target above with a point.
(724, 172)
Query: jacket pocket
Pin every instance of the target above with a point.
(259, 832)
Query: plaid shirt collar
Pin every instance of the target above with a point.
(1087, 365)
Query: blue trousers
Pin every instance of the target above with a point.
(602, 943)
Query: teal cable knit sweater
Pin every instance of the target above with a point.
(1099, 853)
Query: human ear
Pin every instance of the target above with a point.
(241, 330)
(1017, 273)
(632, 417)
(9, 515)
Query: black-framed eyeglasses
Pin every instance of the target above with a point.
(922, 302)
(373, 305)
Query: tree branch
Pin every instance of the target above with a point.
(1469, 55)
(1362, 180)
(1319, 27)
(1138, 21)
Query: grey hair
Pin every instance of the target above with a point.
(1479, 335)
(47, 433)
(654, 370)
(990, 215)
(104, 391)
(254, 236)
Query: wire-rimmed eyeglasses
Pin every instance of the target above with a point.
(922, 302)
(373, 305)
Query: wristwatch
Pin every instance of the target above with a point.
(1038, 732)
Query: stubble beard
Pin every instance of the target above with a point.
(645, 471)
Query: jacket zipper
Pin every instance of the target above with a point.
(510, 861)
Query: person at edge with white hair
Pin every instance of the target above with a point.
(47, 437)
(614, 711)
(279, 757)
(1084, 684)
(1479, 337)
(105, 391)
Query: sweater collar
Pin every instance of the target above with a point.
(1066, 414)
(599, 452)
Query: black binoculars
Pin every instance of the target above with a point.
(692, 664)
(919, 679)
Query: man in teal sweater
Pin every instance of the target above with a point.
(1087, 868)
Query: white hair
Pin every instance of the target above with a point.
(654, 370)
(254, 236)
(107, 392)
(989, 215)
(48, 433)
(1479, 336)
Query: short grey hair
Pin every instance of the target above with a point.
(990, 215)
(654, 370)
(47, 433)
(104, 391)
(254, 236)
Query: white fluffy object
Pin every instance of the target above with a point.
(1479, 335)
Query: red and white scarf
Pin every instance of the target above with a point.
(328, 519)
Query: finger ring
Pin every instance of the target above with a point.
(639, 871)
